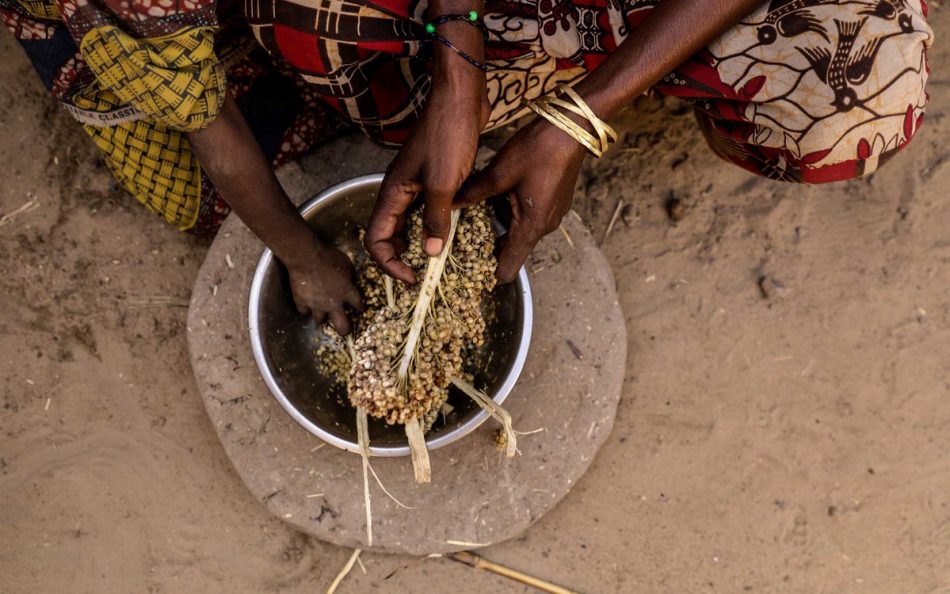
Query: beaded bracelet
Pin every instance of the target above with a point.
(472, 19)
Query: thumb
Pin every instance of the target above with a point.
(478, 187)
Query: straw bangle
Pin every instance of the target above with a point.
(547, 107)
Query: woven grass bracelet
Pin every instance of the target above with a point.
(547, 107)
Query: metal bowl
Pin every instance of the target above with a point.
(284, 341)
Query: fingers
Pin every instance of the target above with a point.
(298, 297)
(501, 206)
(391, 204)
(479, 186)
(336, 315)
(354, 299)
(400, 245)
(518, 243)
(437, 218)
(320, 317)
(340, 321)
(515, 250)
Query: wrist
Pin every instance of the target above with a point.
(602, 99)
(298, 247)
(460, 88)
(567, 111)
(458, 84)
(462, 85)
(451, 70)
(560, 145)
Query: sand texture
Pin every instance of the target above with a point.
(784, 423)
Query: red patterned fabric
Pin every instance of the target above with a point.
(801, 90)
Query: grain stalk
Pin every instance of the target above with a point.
(390, 378)
(362, 436)
(417, 446)
(415, 432)
(496, 411)
(390, 296)
(427, 290)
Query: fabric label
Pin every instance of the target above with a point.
(104, 118)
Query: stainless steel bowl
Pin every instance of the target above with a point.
(284, 341)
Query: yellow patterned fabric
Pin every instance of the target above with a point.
(175, 80)
(156, 165)
(41, 9)
(94, 98)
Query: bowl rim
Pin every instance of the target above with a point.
(253, 314)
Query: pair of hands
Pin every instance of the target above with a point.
(537, 169)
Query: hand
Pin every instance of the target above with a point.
(321, 278)
(435, 160)
(321, 281)
(537, 168)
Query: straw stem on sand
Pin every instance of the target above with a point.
(473, 560)
(343, 572)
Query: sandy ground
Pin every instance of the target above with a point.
(784, 426)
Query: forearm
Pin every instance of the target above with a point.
(231, 157)
(452, 76)
(674, 31)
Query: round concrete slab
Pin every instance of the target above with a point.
(570, 388)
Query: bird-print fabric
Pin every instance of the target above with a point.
(834, 88)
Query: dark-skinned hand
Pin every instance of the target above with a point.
(321, 281)
(434, 162)
(537, 169)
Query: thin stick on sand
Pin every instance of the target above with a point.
(468, 544)
(567, 236)
(25, 208)
(343, 572)
(613, 221)
(473, 560)
(159, 301)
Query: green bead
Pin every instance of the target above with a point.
(473, 16)
(430, 28)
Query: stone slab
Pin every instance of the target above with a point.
(570, 388)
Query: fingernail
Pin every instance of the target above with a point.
(434, 246)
